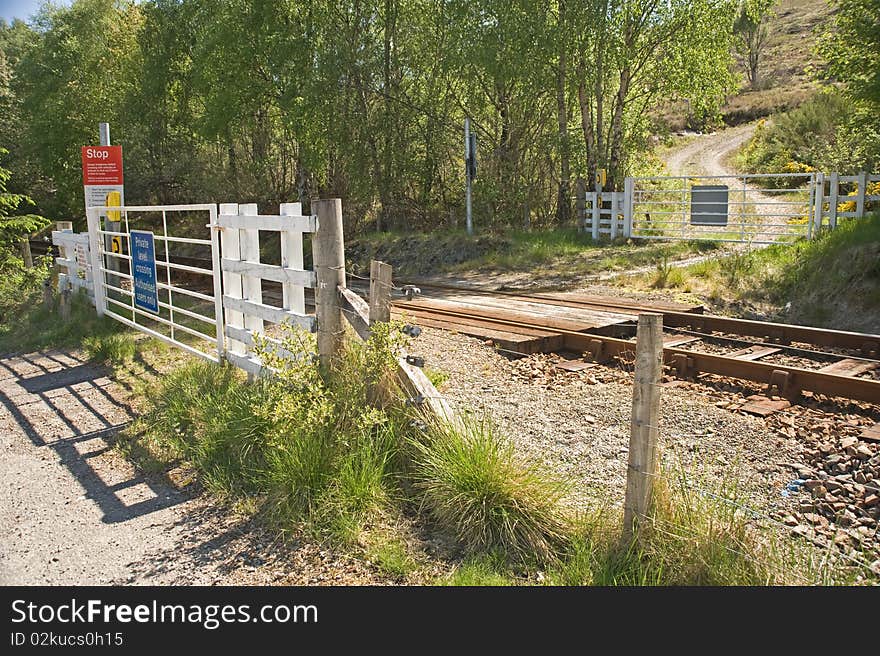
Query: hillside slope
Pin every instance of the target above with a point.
(785, 79)
(829, 282)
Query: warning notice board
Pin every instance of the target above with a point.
(102, 176)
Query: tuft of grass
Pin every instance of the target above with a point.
(392, 557)
(482, 570)
(475, 487)
(436, 376)
(32, 326)
(112, 348)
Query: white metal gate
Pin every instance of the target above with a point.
(757, 209)
(209, 303)
(190, 313)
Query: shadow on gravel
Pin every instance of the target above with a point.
(66, 404)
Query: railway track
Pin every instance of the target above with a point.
(788, 359)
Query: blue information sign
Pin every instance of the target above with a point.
(143, 270)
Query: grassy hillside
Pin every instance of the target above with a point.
(831, 282)
(788, 57)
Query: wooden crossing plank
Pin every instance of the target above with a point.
(476, 322)
(618, 302)
(572, 319)
(753, 352)
(849, 367)
(678, 340)
(518, 342)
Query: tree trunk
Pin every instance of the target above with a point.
(563, 206)
(586, 108)
(614, 163)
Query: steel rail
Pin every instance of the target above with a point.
(789, 380)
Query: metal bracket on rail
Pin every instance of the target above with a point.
(684, 366)
(781, 381)
(410, 291)
(596, 349)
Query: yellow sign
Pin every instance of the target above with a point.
(114, 199)
(116, 244)
(601, 177)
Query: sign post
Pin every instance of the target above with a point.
(143, 270)
(470, 164)
(103, 184)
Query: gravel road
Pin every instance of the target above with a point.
(75, 512)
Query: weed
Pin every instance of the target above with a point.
(392, 557)
(482, 570)
(436, 376)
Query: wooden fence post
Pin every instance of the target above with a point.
(628, 189)
(293, 296)
(380, 291)
(230, 245)
(329, 258)
(25, 246)
(861, 191)
(820, 203)
(834, 190)
(643, 453)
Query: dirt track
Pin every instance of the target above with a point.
(706, 154)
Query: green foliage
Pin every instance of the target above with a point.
(750, 31)
(14, 228)
(829, 281)
(474, 486)
(799, 141)
(482, 570)
(362, 100)
(113, 348)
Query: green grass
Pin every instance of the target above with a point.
(392, 557)
(554, 255)
(475, 487)
(482, 570)
(311, 453)
(831, 281)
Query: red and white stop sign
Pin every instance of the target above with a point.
(102, 165)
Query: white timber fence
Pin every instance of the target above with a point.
(246, 311)
(216, 281)
(848, 197)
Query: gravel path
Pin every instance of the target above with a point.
(75, 512)
(578, 423)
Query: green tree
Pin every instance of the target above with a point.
(852, 51)
(750, 33)
(15, 227)
(73, 77)
(633, 54)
